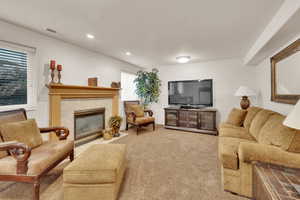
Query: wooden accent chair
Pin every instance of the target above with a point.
(136, 119)
(20, 163)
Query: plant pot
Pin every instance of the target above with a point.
(115, 131)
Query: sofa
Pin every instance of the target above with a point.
(24, 155)
(254, 135)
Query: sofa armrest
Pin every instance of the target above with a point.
(249, 152)
(150, 113)
(61, 132)
(20, 152)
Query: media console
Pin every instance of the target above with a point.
(201, 120)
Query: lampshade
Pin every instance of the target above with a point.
(293, 118)
(244, 91)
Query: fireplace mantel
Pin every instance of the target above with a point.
(59, 92)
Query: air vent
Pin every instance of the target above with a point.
(50, 30)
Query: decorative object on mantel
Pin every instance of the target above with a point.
(107, 134)
(59, 69)
(52, 68)
(93, 81)
(148, 86)
(115, 85)
(244, 92)
(115, 124)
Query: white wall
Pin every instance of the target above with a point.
(263, 76)
(227, 76)
(78, 64)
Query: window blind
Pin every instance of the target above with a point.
(13, 77)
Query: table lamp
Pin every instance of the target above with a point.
(293, 118)
(244, 92)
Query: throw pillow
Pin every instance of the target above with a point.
(2, 153)
(237, 117)
(138, 110)
(26, 132)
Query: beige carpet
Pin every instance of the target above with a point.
(163, 165)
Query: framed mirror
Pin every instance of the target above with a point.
(285, 72)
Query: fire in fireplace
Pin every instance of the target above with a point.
(88, 122)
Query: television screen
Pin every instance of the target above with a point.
(192, 92)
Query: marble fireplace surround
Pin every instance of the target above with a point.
(65, 99)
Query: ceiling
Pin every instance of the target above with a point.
(154, 31)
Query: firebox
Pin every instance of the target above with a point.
(88, 122)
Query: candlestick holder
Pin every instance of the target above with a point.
(52, 76)
(59, 69)
(52, 68)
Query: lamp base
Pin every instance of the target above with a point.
(245, 103)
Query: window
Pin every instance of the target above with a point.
(128, 87)
(15, 79)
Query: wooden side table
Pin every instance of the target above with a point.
(272, 182)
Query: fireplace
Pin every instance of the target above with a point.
(88, 123)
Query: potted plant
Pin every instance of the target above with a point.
(115, 124)
(148, 86)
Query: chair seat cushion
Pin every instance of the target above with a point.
(141, 120)
(26, 132)
(41, 158)
(228, 151)
(100, 163)
(235, 132)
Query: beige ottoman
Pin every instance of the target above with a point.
(96, 174)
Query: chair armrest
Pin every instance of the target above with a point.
(61, 132)
(249, 152)
(131, 114)
(150, 113)
(20, 152)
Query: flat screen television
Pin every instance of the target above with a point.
(191, 92)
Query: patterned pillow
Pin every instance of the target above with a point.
(26, 132)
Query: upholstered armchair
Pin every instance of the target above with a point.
(24, 155)
(137, 116)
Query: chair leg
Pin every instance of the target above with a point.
(36, 190)
(126, 126)
(72, 155)
(153, 126)
(137, 130)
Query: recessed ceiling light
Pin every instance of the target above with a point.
(128, 53)
(183, 59)
(90, 36)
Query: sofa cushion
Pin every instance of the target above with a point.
(107, 161)
(251, 112)
(41, 158)
(137, 109)
(228, 151)
(295, 143)
(235, 132)
(26, 132)
(275, 133)
(259, 121)
(2, 153)
(226, 125)
(236, 117)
